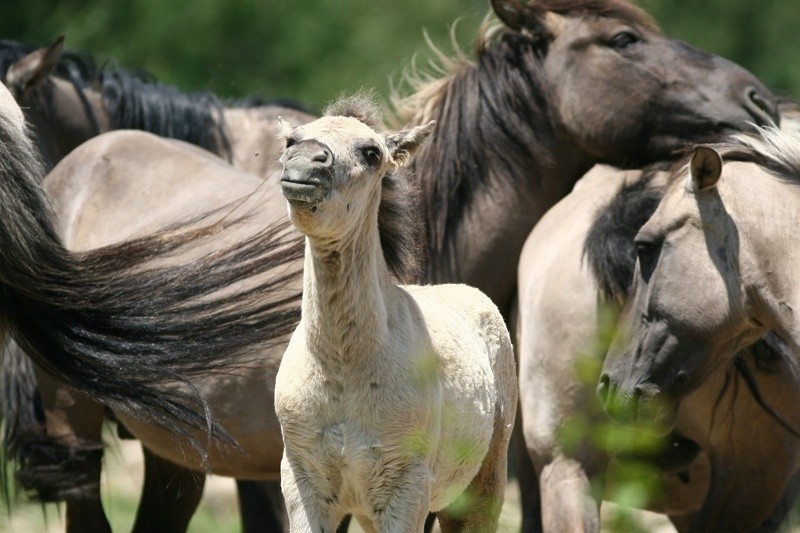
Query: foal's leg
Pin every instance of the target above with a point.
(403, 505)
(74, 424)
(308, 511)
(486, 493)
(170, 496)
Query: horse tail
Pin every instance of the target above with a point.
(123, 321)
(43, 466)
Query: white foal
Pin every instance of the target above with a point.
(393, 400)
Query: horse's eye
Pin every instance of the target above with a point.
(371, 155)
(624, 39)
(291, 141)
(647, 253)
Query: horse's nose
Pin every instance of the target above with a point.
(761, 106)
(311, 153)
(322, 156)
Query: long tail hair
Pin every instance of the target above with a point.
(121, 321)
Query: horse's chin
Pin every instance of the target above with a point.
(303, 195)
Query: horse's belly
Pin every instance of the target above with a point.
(243, 405)
(465, 440)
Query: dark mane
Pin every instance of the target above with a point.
(474, 117)
(135, 100)
(609, 249)
(124, 320)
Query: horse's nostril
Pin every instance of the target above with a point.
(761, 107)
(323, 156)
(603, 388)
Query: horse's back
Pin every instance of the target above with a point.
(124, 183)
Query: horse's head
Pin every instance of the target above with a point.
(61, 114)
(625, 92)
(707, 276)
(334, 167)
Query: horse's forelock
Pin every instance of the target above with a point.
(361, 106)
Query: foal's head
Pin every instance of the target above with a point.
(335, 169)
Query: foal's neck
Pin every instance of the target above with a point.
(346, 290)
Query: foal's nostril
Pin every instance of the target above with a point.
(323, 156)
(761, 107)
(603, 388)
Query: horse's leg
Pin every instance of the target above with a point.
(73, 446)
(307, 512)
(261, 506)
(170, 496)
(567, 504)
(528, 481)
(484, 495)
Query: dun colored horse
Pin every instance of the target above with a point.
(716, 270)
(394, 401)
(575, 269)
(67, 99)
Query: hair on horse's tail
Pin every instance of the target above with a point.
(121, 321)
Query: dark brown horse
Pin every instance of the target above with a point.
(514, 133)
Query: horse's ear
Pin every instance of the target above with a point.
(522, 18)
(30, 71)
(284, 128)
(705, 168)
(403, 144)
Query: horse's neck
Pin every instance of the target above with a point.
(483, 249)
(348, 296)
(767, 219)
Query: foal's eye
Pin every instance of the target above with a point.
(647, 253)
(291, 141)
(624, 39)
(371, 155)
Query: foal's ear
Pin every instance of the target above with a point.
(30, 71)
(705, 168)
(284, 129)
(403, 144)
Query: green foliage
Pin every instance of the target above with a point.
(312, 51)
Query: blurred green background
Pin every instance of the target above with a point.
(312, 51)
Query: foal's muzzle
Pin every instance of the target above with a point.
(307, 173)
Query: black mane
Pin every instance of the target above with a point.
(136, 100)
(609, 248)
(477, 125)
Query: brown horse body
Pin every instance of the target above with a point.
(513, 135)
